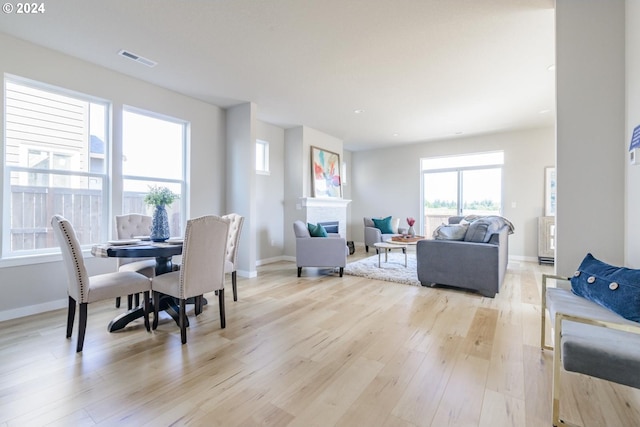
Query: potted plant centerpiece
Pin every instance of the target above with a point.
(159, 198)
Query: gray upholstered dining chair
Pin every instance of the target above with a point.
(202, 269)
(231, 263)
(127, 227)
(84, 289)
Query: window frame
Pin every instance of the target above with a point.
(485, 161)
(182, 182)
(22, 257)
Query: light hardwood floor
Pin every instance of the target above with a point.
(313, 351)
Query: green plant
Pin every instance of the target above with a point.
(158, 196)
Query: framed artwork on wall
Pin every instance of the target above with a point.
(325, 173)
(550, 191)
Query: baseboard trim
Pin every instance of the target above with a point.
(270, 260)
(523, 258)
(33, 309)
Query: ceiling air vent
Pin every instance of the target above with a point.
(138, 58)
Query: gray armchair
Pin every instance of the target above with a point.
(374, 235)
(328, 251)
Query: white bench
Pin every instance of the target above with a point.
(589, 339)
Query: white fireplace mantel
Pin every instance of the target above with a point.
(319, 209)
(313, 202)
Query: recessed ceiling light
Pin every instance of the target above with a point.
(142, 60)
(396, 134)
(543, 111)
(358, 111)
(551, 67)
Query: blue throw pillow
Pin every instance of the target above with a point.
(317, 230)
(616, 288)
(384, 225)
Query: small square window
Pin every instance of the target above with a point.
(262, 157)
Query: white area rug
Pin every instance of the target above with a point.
(391, 271)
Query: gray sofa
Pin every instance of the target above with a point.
(471, 257)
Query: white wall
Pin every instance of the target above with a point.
(591, 152)
(29, 289)
(241, 182)
(388, 181)
(346, 190)
(293, 187)
(632, 231)
(270, 197)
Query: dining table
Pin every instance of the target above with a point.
(162, 252)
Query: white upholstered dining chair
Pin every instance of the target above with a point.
(231, 263)
(84, 289)
(127, 227)
(202, 269)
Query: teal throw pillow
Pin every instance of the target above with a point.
(317, 230)
(616, 288)
(384, 225)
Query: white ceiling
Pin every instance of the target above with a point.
(421, 69)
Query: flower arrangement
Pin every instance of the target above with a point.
(160, 196)
(411, 221)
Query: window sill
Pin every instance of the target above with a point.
(19, 261)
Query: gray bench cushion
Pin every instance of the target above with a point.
(599, 352)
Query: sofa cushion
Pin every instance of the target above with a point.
(300, 229)
(317, 230)
(450, 232)
(596, 351)
(481, 229)
(395, 225)
(616, 288)
(384, 225)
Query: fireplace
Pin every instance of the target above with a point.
(326, 210)
(331, 226)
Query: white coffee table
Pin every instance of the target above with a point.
(388, 247)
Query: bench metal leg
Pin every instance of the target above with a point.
(543, 309)
(555, 388)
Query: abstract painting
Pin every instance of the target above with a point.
(325, 173)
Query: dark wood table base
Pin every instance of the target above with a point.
(163, 254)
(168, 304)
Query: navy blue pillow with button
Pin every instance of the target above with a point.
(616, 288)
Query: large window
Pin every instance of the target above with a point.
(54, 163)
(153, 149)
(461, 185)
